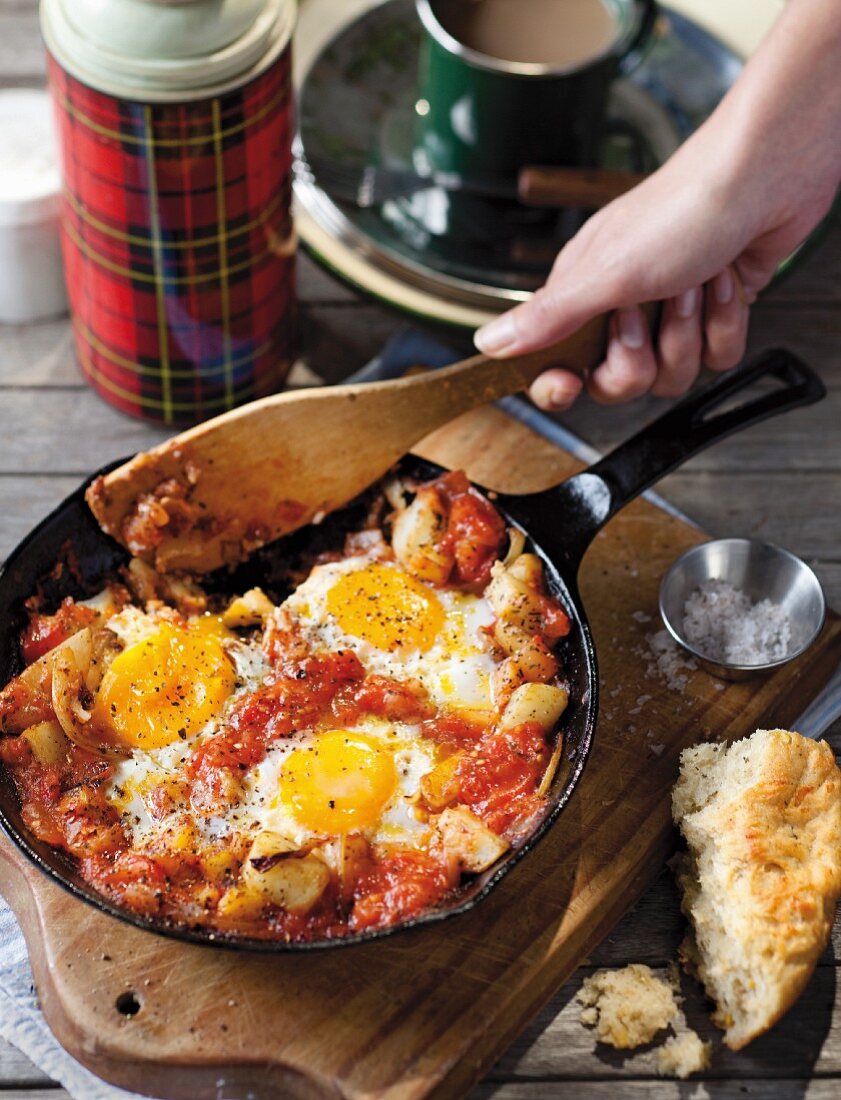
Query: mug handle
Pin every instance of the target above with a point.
(631, 59)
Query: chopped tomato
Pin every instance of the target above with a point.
(22, 706)
(499, 780)
(45, 632)
(384, 697)
(452, 729)
(400, 886)
(42, 822)
(91, 825)
(297, 695)
(554, 620)
(475, 530)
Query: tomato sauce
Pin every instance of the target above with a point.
(496, 775)
(498, 781)
(45, 632)
(475, 530)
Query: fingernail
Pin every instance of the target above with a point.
(723, 287)
(687, 303)
(496, 336)
(558, 397)
(631, 328)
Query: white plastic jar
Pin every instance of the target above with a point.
(31, 277)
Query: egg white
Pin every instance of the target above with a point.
(455, 671)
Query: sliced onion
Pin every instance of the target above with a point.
(70, 694)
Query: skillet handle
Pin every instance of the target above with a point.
(588, 500)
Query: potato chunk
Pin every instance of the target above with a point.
(347, 856)
(279, 872)
(514, 601)
(468, 842)
(48, 742)
(543, 703)
(440, 787)
(252, 608)
(416, 535)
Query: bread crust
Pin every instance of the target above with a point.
(762, 821)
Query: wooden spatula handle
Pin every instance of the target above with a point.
(424, 402)
(590, 188)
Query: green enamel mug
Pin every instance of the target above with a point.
(485, 117)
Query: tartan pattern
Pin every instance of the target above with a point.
(179, 248)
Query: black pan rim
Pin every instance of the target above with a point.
(233, 942)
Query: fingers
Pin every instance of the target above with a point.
(704, 324)
(725, 322)
(556, 390)
(679, 344)
(630, 366)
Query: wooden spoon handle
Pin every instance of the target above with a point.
(590, 188)
(420, 403)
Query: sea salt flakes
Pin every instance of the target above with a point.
(723, 623)
(668, 661)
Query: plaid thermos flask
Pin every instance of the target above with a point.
(175, 124)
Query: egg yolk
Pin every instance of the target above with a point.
(386, 607)
(339, 783)
(165, 687)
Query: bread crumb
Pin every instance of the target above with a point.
(682, 1055)
(627, 1007)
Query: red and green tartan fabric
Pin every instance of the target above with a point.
(178, 243)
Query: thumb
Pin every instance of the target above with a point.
(553, 313)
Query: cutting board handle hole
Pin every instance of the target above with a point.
(127, 1004)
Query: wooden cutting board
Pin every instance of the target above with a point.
(424, 1013)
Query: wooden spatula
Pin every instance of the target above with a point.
(211, 495)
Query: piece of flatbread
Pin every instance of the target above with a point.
(762, 821)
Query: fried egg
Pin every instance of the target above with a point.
(166, 686)
(400, 627)
(172, 686)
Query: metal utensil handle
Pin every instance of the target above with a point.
(822, 711)
(571, 515)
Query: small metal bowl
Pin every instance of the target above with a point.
(761, 571)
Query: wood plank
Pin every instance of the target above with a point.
(402, 1016)
(22, 57)
(44, 1092)
(799, 511)
(784, 1089)
(17, 1070)
(24, 501)
(556, 1045)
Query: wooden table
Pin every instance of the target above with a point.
(780, 481)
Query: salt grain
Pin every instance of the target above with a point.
(668, 661)
(723, 623)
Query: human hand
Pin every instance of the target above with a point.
(703, 236)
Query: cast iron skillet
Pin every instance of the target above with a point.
(560, 524)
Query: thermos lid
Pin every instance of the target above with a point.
(30, 180)
(165, 50)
